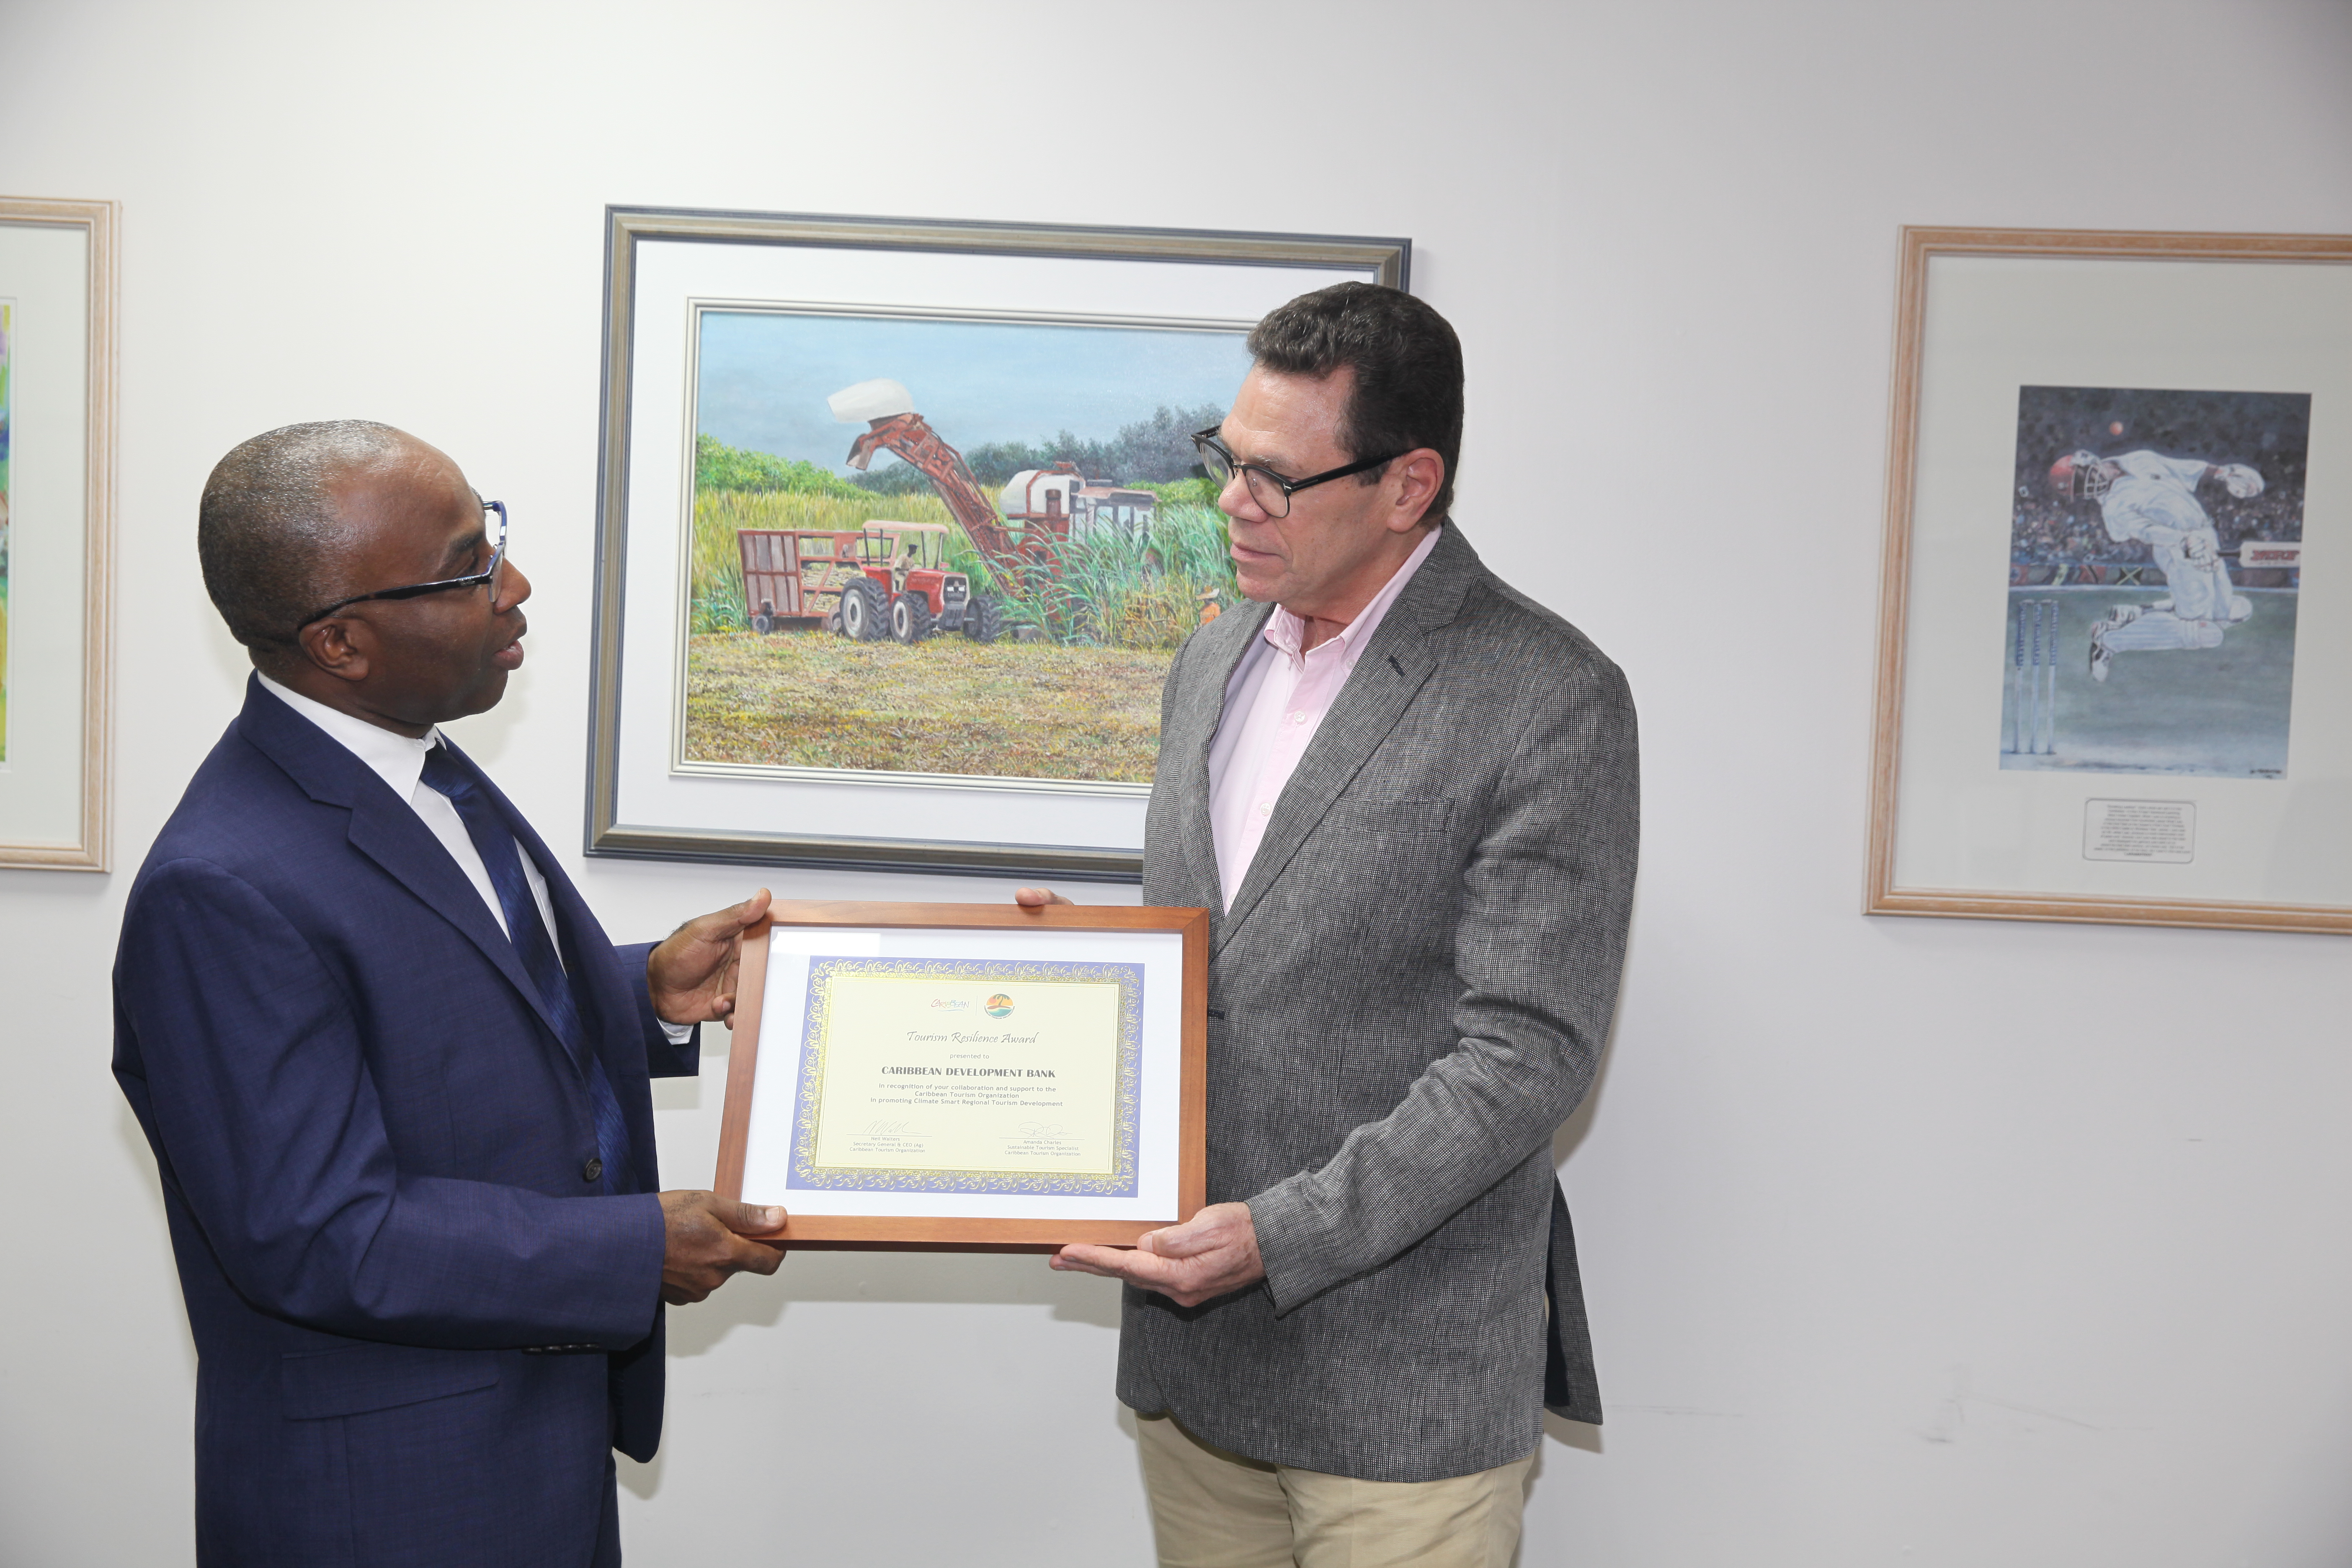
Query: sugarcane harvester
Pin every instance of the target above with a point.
(893, 425)
(887, 579)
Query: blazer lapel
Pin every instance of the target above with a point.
(387, 830)
(389, 833)
(577, 932)
(1390, 671)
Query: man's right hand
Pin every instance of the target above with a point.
(1037, 897)
(704, 1241)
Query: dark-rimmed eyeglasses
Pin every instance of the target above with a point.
(490, 574)
(1269, 490)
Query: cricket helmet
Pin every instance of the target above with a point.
(2082, 476)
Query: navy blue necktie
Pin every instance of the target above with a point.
(502, 858)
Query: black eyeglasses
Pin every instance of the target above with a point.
(1269, 490)
(489, 574)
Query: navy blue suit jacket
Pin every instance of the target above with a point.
(372, 1146)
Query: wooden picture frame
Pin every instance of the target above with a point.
(2131, 783)
(1176, 1153)
(58, 291)
(732, 722)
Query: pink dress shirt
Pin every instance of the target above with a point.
(1275, 702)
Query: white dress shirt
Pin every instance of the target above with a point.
(399, 760)
(1275, 703)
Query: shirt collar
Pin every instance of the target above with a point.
(1287, 631)
(392, 757)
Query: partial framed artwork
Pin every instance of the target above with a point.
(57, 530)
(970, 1077)
(900, 527)
(2114, 668)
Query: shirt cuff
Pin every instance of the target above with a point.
(677, 1034)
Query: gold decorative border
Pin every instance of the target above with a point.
(1125, 1100)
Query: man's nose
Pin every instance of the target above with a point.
(513, 587)
(1236, 499)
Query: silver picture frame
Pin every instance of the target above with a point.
(647, 799)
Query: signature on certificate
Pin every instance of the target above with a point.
(1040, 1130)
(883, 1129)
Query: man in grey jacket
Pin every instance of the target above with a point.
(1409, 797)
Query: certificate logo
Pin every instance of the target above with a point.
(999, 1005)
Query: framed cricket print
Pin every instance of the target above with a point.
(969, 1077)
(901, 527)
(57, 531)
(2115, 677)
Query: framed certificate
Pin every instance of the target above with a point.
(970, 1077)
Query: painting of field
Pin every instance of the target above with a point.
(945, 705)
(1073, 692)
(1045, 469)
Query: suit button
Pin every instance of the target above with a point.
(592, 1169)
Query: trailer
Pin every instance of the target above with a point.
(887, 579)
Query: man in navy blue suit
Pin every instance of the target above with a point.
(394, 1074)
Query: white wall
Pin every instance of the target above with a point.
(1908, 1241)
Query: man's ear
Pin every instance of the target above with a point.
(340, 646)
(1418, 476)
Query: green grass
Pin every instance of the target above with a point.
(1112, 590)
(946, 705)
(2221, 712)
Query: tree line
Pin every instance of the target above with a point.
(1155, 453)
(1157, 450)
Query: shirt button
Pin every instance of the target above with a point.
(1299, 717)
(1265, 808)
(592, 1169)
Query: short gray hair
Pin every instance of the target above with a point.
(267, 529)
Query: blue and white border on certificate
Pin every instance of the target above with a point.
(1119, 1181)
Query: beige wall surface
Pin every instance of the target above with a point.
(1906, 1241)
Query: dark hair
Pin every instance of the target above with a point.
(1408, 366)
(267, 531)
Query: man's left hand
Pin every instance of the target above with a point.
(691, 977)
(1213, 1254)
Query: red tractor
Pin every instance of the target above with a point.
(890, 579)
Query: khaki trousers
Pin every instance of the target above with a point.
(1212, 1509)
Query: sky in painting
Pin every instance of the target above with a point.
(764, 378)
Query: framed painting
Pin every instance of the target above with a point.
(901, 527)
(970, 1077)
(2115, 678)
(57, 530)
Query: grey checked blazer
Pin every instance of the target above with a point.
(1406, 1000)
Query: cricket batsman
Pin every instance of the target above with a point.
(2146, 497)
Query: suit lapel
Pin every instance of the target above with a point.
(1390, 673)
(608, 1018)
(577, 934)
(386, 829)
